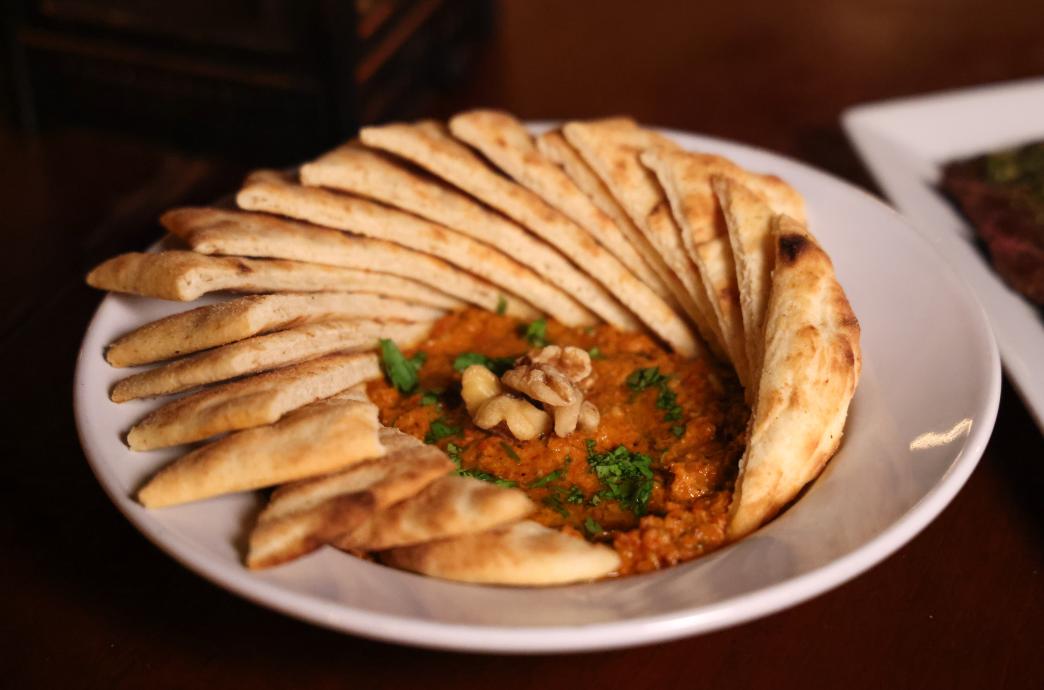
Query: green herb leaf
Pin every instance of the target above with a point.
(498, 365)
(595, 353)
(640, 379)
(439, 430)
(554, 501)
(429, 398)
(501, 305)
(545, 480)
(536, 333)
(678, 430)
(510, 452)
(454, 451)
(487, 477)
(575, 495)
(592, 527)
(626, 475)
(401, 372)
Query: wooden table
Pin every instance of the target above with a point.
(89, 603)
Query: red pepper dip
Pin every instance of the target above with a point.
(654, 479)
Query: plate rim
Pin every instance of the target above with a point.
(604, 635)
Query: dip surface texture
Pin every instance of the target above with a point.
(654, 480)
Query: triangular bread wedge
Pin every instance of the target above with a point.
(264, 352)
(305, 515)
(612, 148)
(445, 508)
(356, 169)
(811, 368)
(522, 554)
(323, 437)
(274, 193)
(185, 276)
(430, 146)
(507, 143)
(251, 402)
(226, 322)
(556, 149)
(685, 179)
(749, 221)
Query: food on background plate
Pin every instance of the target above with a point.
(1002, 193)
(599, 354)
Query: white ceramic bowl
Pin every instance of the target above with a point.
(922, 415)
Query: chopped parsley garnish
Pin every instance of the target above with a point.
(575, 495)
(626, 475)
(592, 527)
(595, 353)
(501, 305)
(401, 372)
(439, 430)
(454, 451)
(536, 333)
(554, 501)
(545, 480)
(487, 477)
(429, 398)
(666, 399)
(510, 452)
(640, 379)
(678, 430)
(498, 365)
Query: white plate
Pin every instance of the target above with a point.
(919, 422)
(906, 142)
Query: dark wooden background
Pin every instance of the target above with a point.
(88, 602)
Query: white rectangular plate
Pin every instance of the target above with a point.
(906, 142)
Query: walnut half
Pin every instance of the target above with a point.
(524, 421)
(550, 376)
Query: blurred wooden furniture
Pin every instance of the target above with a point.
(90, 603)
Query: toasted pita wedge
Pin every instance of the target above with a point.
(254, 401)
(323, 437)
(684, 177)
(185, 276)
(369, 173)
(445, 508)
(266, 191)
(257, 234)
(226, 322)
(264, 352)
(522, 554)
(556, 149)
(612, 147)
(305, 515)
(428, 145)
(749, 221)
(507, 143)
(811, 368)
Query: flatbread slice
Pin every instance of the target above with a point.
(185, 276)
(306, 515)
(448, 507)
(227, 322)
(275, 193)
(265, 352)
(251, 402)
(522, 554)
(507, 143)
(685, 179)
(811, 368)
(749, 221)
(373, 174)
(323, 437)
(556, 149)
(612, 148)
(430, 146)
